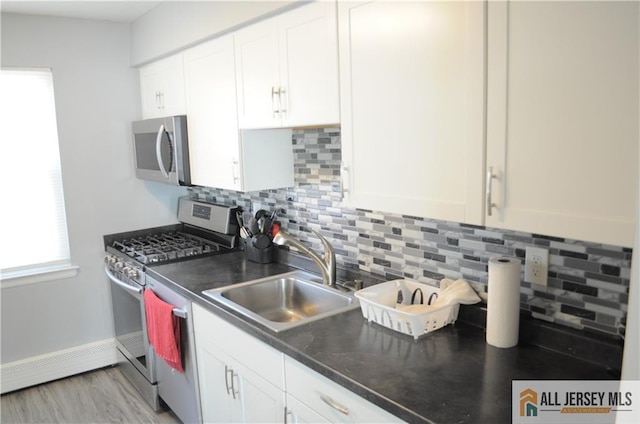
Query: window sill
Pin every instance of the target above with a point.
(39, 276)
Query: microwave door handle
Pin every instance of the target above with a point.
(171, 151)
(159, 151)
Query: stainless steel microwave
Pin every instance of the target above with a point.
(161, 150)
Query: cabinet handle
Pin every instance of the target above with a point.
(161, 100)
(344, 168)
(490, 177)
(335, 405)
(234, 392)
(235, 167)
(282, 100)
(226, 378)
(274, 90)
(287, 414)
(231, 390)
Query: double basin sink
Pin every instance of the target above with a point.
(284, 301)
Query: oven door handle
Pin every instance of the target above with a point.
(180, 313)
(134, 290)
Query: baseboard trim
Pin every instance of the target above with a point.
(52, 366)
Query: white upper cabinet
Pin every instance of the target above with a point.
(212, 121)
(221, 156)
(287, 69)
(308, 40)
(562, 133)
(412, 105)
(258, 75)
(162, 88)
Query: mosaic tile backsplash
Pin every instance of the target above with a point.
(588, 283)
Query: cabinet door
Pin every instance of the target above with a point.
(243, 348)
(162, 88)
(309, 65)
(327, 399)
(261, 401)
(150, 83)
(299, 413)
(258, 75)
(232, 393)
(412, 107)
(212, 117)
(234, 386)
(562, 132)
(213, 376)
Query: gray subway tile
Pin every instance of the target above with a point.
(582, 264)
(394, 245)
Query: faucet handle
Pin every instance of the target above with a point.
(329, 253)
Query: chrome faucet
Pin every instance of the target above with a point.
(327, 263)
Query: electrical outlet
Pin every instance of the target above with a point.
(536, 265)
(292, 197)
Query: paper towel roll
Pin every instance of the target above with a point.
(503, 302)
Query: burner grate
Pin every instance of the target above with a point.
(164, 247)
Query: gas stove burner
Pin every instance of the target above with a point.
(164, 247)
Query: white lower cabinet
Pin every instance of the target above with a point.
(241, 379)
(299, 413)
(314, 398)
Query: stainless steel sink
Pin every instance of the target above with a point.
(284, 301)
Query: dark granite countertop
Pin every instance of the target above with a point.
(449, 376)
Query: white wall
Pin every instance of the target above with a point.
(97, 97)
(172, 26)
(631, 357)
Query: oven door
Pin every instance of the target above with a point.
(130, 325)
(179, 390)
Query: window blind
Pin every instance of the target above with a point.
(33, 227)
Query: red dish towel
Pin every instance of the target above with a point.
(163, 329)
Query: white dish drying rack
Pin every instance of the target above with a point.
(378, 304)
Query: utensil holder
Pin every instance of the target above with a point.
(261, 256)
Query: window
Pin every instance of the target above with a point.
(33, 227)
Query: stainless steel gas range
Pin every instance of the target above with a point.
(204, 229)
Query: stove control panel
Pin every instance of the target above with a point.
(124, 270)
(218, 218)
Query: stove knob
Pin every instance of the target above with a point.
(132, 273)
(119, 265)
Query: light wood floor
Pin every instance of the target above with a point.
(102, 396)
